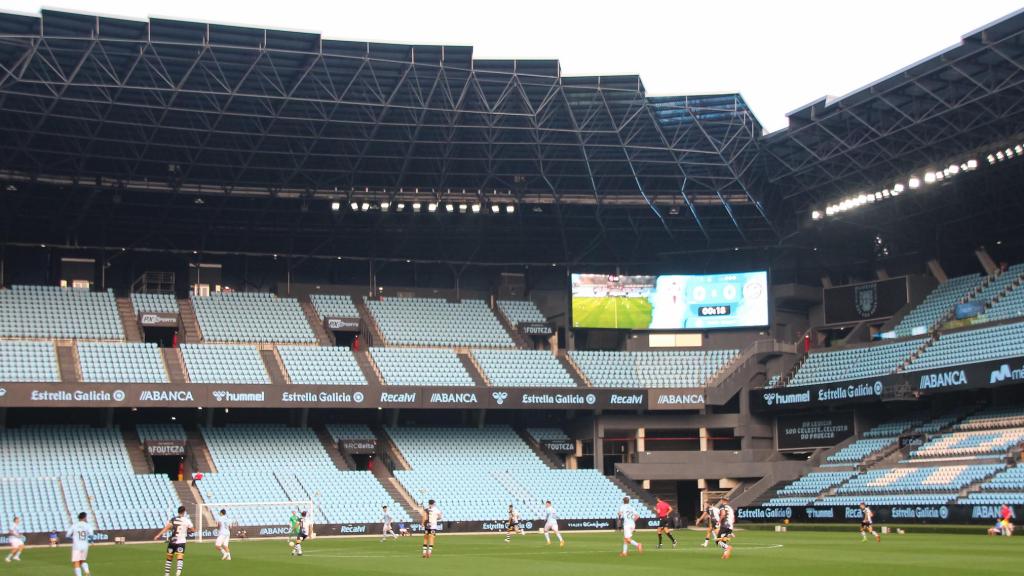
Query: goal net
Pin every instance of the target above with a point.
(271, 518)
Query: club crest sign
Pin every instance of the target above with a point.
(866, 297)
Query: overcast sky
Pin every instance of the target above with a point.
(780, 54)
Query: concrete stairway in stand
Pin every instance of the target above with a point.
(322, 336)
(341, 461)
(67, 362)
(546, 457)
(175, 366)
(275, 368)
(141, 464)
(132, 331)
(190, 331)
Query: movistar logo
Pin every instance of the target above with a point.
(1004, 373)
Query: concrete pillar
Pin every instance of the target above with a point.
(641, 442)
(303, 418)
(826, 282)
(704, 439)
(3, 417)
(208, 416)
(598, 446)
(882, 274)
(986, 261)
(108, 417)
(937, 272)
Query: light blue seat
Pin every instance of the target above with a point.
(437, 322)
(519, 311)
(523, 368)
(662, 369)
(127, 363)
(224, 364)
(420, 367)
(59, 313)
(158, 303)
(28, 361)
(256, 317)
(323, 365)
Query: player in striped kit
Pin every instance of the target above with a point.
(551, 524)
(177, 530)
(726, 519)
(431, 523)
(512, 526)
(80, 532)
(628, 516)
(305, 529)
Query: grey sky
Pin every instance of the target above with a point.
(780, 54)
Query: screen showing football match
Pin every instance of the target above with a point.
(670, 302)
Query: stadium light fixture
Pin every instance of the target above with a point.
(365, 206)
(355, 206)
(929, 177)
(463, 208)
(914, 183)
(335, 206)
(400, 206)
(384, 206)
(432, 207)
(815, 215)
(898, 188)
(475, 208)
(449, 207)
(510, 209)
(495, 208)
(991, 159)
(416, 206)
(954, 169)
(972, 164)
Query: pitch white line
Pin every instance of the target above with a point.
(518, 553)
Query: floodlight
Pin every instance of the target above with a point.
(898, 188)
(355, 206)
(972, 164)
(365, 206)
(385, 205)
(914, 183)
(335, 206)
(929, 177)
(816, 215)
(462, 208)
(954, 169)
(400, 207)
(449, 207)
(495, 208)
(510, 208)
(432, 207)
(416, 206)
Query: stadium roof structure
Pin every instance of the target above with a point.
(194, 108)
(190, 136)
(967, 99)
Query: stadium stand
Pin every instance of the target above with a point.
(252, 317)
(350, 432)
(437, 322)
(517, 311)
(974, 443)
(1009, 306)
(126, 363)
(543, 434)
(224, 364)
(893, 428)
(293, 467)
(853, 363)
(651, 369)
(967, 346)
(939, 479)
(162, 431)
(497, 468)
(337, 305)
(61, 450)
(54, 312)
(937, 304)
(861, 449)
(38, 501)
(321, 365)
(420, 367)
(522, 368)
(1006, 280)
(88, 468)
(816, 482)
(995, 417)
(28, 361)
(161, 303)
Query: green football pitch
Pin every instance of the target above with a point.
(611, 312)
(593, 554)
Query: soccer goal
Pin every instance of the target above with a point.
(270, 514)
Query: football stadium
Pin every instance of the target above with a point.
(273, 301)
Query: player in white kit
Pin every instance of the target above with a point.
(80, 532)
(177, 530)
(223, 542)
(16, 539)
(386, 520)
(726, 519)
(629, 517)
(431, 522)
(551, 524)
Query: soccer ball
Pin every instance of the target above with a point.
(786, 521)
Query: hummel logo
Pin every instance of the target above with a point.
(500, 397)
(219, 395)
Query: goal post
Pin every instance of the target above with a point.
(253, 513)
